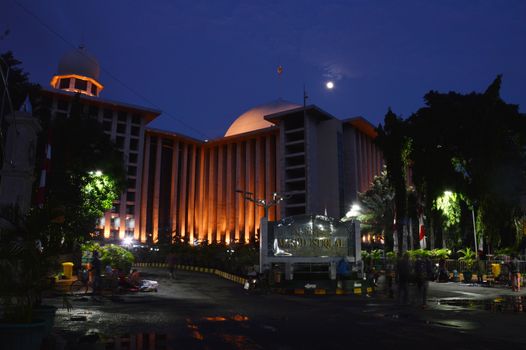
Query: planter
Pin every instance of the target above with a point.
(467, 276)
(47, 314)
(22, 336)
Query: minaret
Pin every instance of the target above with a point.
(78, 71)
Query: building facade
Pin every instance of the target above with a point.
(183, 188)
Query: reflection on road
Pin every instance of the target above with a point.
(500, 304)
(217, 331)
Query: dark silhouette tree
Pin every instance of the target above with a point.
(472, 144)
(395, 145)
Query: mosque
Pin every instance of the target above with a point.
(179, 186)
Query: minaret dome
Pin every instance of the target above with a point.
(78, 71)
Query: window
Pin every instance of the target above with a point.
(130, 197)
(130, 209)
(108, 114)
(119, 142)
(136, 119)
(135, 130)
(122, 117)
(132, 170)
(134, 144)
(81, 84)
(63, 105)
(132, 158)
(93, 110)
(131, 183)
(64, 83)
(60, 115)
(106, 125)
(121, 128)
(94, 89)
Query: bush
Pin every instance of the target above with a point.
(115, 256)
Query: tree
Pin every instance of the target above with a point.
(18, 85)
(395, 144)
(472, 145)
(378, 206)
(87, 174)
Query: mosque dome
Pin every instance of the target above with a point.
(79, 62)
(254, 118)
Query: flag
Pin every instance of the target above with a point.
(421, 229)
(41, 192)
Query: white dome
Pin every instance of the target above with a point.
(254, 118)
(79, 62)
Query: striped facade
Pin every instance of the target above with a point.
(189, 187)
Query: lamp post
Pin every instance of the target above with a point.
(263, 246)
(350, 219)
(249, 196)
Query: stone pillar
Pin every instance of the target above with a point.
(18, 165)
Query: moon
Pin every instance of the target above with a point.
(329, 85)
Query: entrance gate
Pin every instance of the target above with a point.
(309, 239)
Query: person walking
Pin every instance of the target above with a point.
(96, 269)
(171, 261)
(481, 266)
(424, 273)
(403, 270)
(515, 275)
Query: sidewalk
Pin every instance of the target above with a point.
(485, 312)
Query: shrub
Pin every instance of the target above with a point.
(115, 256)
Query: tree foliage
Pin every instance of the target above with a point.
(395, 144)
(378, 205)
(470, 144)
(87, 173)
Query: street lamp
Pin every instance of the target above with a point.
(263, 244)
(352, 213)
(249, 196)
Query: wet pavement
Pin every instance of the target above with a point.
(200, 311)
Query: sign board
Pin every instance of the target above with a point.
(308, 236)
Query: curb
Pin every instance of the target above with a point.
(222, 274)
(324, 291)
(242, 280)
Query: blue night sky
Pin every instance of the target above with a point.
(203, 63)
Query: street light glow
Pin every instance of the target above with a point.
(329, 85)
(127, 241)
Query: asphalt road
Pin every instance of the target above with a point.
(201, 311)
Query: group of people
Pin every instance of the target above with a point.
(131, 282)
(422, 271)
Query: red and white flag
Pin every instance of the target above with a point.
(421, 229)
(41, 192)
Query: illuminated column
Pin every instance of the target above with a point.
(212, 183)
(183, 199)
(156, 187)
(191, 193)
(230, 192)
(107, 224)
(249, 186)
(240, 185)
(200, 217)
(144, 195)
(259, 185)
(220, 207)
(206, 192)
(174, 188)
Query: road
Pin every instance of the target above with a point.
(201, 311)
